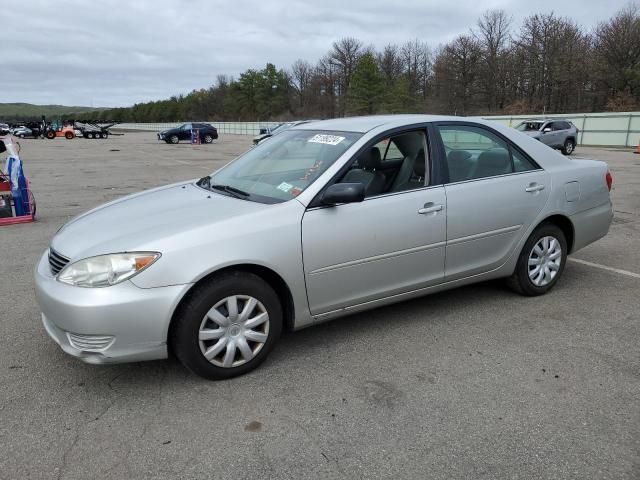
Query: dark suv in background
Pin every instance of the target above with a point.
(208, 133)
(560, 134)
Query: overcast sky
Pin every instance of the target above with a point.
(116, 53)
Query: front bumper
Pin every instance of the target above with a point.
(160, 136)
(122, 323)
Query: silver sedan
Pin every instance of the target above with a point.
(325, 219)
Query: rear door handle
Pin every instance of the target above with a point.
(534, 187)
(430, 208)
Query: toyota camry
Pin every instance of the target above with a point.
(326, 219)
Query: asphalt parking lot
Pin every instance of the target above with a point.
(472, 383)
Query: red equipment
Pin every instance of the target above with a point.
(5, 196)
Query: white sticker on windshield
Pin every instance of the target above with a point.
(285, 187)
(326, 139)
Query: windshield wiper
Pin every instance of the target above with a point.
(236, 192)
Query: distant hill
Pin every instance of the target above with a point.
(28, 111)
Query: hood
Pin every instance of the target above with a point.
(144, 220)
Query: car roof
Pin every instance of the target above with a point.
(365, 124)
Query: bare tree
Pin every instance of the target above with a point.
(617, 44)
(493, 36)
(301, 75)
(344, 55)
(390, 64)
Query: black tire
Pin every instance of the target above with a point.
(569, 146)
(105, 135)
(173, 139)
(207, 138)
(520, 280)
(184, 332)
(51, 135)
(69, 135)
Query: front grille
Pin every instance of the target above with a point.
(90, 343)
(56, 261)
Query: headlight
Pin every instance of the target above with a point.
(106, 270)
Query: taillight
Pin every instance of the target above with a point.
(609, 179)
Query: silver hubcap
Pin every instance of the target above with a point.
(544, 261)
(569, 147)
(234, 331)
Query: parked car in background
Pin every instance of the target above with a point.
(208, 133)
(281, 127)
(22, 132)
(560, 134)
(323, 220)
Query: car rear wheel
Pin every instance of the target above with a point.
(207, 138)
(227, 327)
(174, 139)
(568, 147)
(541, 261)
(69, 135)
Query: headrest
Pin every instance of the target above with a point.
(458, 155)
(494, 162)
(419, 164)
(370, 160)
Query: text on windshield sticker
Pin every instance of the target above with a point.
(326, 139)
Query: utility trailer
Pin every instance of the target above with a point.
(94, 130)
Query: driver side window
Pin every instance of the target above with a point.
(394, 164)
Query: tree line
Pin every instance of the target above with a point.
(550, 64)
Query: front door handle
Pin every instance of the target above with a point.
(534, 187)
(430, 208)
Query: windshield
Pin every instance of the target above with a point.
(282, 168)
(529, 126)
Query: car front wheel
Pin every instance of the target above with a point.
(568, 147)
(174, 139)
(227, 327)
(541, 261)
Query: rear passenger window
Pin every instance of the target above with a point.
(556, 126)
(474, 153)
(521, 163)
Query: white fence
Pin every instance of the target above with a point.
(605, 129)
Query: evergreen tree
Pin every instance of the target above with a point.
(367, 86)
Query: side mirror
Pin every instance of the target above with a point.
(3, 147)
(343, 193)
(546, 130)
